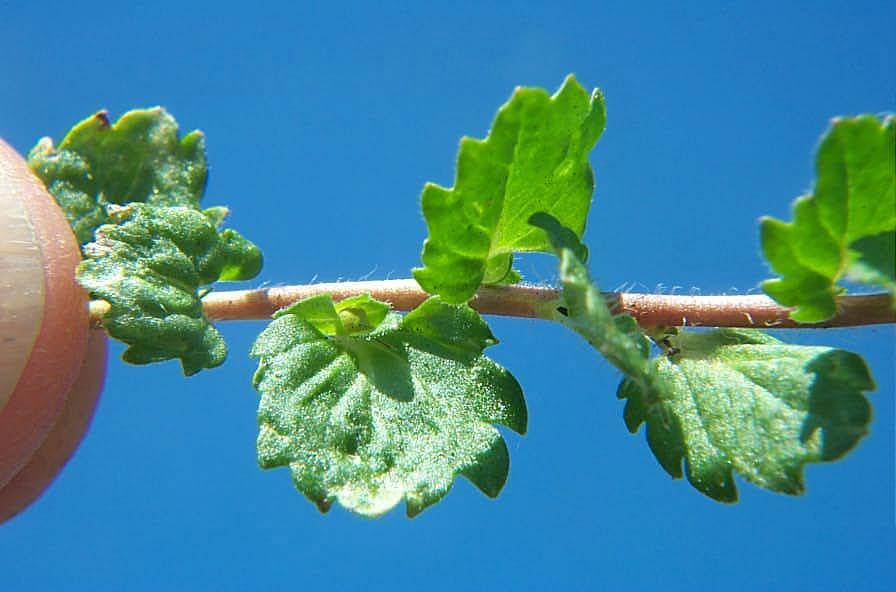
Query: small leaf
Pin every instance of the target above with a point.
(454, 331)
(356, 315)
(138, 159)
(534, 159)
(831, 235)
(397, 413)
(319, 311)
(739, 400)
(149, 266)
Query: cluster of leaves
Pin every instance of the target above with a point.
(369, 408)
(721, 401)
(131, 193)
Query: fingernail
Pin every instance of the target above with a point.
(21, 282)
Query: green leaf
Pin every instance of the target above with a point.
(738, 400)
(350, 316)
(396, 413)
(138, 159)
(726, 400)
(149, 266)
(535, 159)
(846, 226)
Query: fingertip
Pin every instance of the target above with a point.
(58, 447)
(42, 352)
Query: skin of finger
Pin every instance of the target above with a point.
(59, 348)
(21, 281)
(34, 478)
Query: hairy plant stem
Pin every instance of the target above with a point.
(650, 310)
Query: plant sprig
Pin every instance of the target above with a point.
(369, 408)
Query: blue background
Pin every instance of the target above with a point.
(323, 123)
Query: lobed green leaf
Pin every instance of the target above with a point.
(739, 400)
(846, 227)
(149, 265)
(140, 158)
(369, 419)
(535, 159)
(723, 401)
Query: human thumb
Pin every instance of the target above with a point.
(51, 368)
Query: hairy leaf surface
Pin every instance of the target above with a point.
(149, 265)
(847, 225)
(726, 400)
(396, 413)
(739, 400)
(138, 159)
(535, 159)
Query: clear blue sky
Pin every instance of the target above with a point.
(322, 126)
